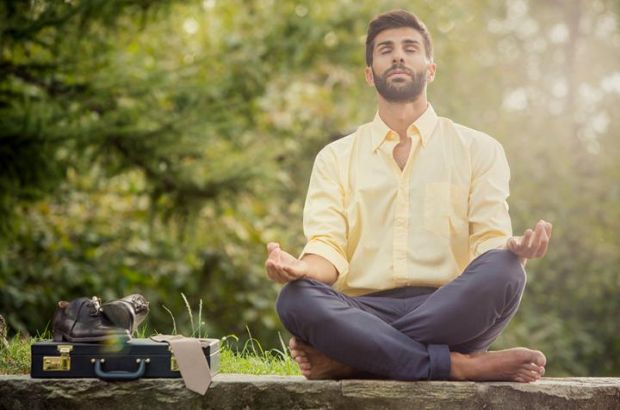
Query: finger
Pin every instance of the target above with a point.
(273, 254)
(285, 274)
(276, 273)
(525, 242)
(543, 244)
(539, 230)
(512, 244)
(540, 239)
(269, 267)
(271, 246)
(548, 229)
(272, 270)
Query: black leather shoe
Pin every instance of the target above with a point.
(81, 321)
(126, 313)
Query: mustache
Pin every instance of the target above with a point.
(398, 68)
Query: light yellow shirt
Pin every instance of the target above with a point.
(384, 228)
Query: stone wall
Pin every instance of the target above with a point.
(229, 391)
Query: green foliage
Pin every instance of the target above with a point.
(156, 147)
(15, 358)
(252, 359)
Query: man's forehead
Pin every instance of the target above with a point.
(399, 35)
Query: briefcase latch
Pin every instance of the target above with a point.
(60, 363)
(174, 367)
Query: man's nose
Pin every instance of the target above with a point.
(398, 56)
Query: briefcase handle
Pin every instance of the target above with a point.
(120, 374)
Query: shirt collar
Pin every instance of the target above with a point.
(423, 126)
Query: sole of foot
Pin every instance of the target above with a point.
(315, 365)
(517, 365)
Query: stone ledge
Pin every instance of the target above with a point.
(234, 391)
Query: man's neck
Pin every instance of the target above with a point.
(399, 116)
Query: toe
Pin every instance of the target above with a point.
(531, 367)
(527, 376)
(541, 360)
(540, 370)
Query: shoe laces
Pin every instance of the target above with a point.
(94, 306)
(139, 302)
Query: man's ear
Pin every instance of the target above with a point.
(431, 69)
(370, 79)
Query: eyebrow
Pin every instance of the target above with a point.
(391, 43)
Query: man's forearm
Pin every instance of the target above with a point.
(320, 269)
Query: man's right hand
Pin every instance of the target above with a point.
(282, 267)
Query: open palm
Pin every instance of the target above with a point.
(283, 267)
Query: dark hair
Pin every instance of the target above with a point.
(396, 19)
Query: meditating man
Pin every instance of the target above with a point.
(410, 271)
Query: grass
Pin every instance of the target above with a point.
(251, 359)
(15, 358)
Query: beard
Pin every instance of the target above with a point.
(400, 91)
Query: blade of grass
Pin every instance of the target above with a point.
(174, 323)
(189, 312)
(200, 318)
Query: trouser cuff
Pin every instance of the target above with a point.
(440, 362)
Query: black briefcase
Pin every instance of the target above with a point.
(134, 359)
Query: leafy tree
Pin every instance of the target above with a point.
(158, 148)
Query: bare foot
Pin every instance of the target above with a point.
(518, 365)
(315, 365)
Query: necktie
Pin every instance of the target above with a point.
(191, 360)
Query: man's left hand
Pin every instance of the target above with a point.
(533, 243)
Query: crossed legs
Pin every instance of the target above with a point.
(412, 333)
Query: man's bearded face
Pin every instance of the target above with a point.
(403, 87)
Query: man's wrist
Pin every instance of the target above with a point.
(522, 260)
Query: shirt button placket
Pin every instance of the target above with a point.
(400, 230)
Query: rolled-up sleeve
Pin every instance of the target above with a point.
(324, 221)
(489, 221)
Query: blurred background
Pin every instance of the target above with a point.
(157, 146)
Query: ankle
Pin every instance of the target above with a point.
(459, 366)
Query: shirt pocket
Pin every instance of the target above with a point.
(445, 209)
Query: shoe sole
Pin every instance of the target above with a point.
(118, 316)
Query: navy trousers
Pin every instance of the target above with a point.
(407, 333)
